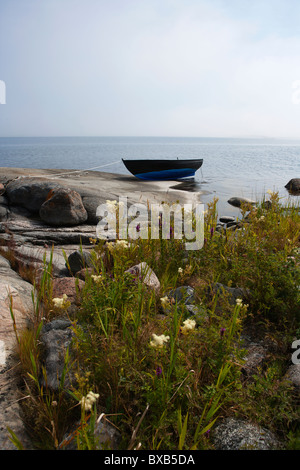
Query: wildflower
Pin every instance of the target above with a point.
(60, 302)
(122, 244)
(180, 270)
(165, 301)
(88, 401)
(138, 227)
(111, 204)
(158, 371)
(119, 244)
(269, 191)
(93, 241)
(239, 303)
(110, 245)
(158, 341)
(189, 325)
(96, 278)
(222, 332)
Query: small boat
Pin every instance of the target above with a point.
(163, 169)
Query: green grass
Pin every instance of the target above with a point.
(172, 397)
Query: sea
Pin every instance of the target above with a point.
(231, 166)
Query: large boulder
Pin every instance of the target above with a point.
(293, 185)
(29, 192)
(63, 208)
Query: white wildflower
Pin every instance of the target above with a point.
(119, 244)
(165, 301)
(122, 244)
(60, 302)
(159, 341)
(180, 270)
(189, 325)
(88, 401)
(96, 278)
(111, 203)
(110, 245)
(239, 302)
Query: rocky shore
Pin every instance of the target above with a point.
(41, 211)
(45, 210)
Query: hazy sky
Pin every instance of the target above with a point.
(204, 68)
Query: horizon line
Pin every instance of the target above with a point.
(152, 136)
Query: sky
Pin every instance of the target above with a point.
(188, 68)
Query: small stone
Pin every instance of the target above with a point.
(56, 338)
(79, 260)
(239, 201)
(232, 292)
(182, 293)
(293, 374)
(226, 218)
(148, 276)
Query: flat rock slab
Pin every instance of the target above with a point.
(11, 284)
(36, 232)
(101, 185)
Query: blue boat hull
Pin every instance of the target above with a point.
(167, 174)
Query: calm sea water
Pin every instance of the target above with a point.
(231, 167)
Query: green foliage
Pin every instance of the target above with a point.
(170, 393)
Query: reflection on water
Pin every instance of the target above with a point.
(190, 184)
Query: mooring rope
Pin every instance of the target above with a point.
(69, 172)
